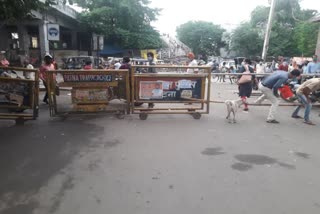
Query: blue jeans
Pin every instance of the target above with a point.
(307, 106)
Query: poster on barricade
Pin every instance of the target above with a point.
(163, 88)
(89, 95)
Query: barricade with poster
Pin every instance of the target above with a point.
(172, 90)
(89, 91)
(19, 94)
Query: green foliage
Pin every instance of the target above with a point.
(305, 37)
(126, 22)
(291, 33)
(202, 37)
(246, 40)
(15, 10)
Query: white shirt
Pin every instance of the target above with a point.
(261, 68)
(191, 64)
(117, 66)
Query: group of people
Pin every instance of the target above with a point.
(269, 86)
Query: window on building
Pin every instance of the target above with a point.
(14, 36)
(34, 42)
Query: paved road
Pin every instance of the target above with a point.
(166, 164)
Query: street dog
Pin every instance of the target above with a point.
(232, 107)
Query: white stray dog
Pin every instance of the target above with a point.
(233, 106)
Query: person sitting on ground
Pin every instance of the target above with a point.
(303, 93)
(269, 87)
(88, 65)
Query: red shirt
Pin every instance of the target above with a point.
(87, 67)
(43, 71)
(283, 67)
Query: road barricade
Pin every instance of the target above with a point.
(89, 91)
(19, 94)
(171, 90)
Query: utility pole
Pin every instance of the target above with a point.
(268, 32)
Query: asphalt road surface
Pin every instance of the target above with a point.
(166, 164)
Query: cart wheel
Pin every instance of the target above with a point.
(20, 121)
(120, 116)
(196, 115)
(143, 116)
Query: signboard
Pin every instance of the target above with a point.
(87, 78)
(53, 32)
(164, 88)
(89, 95)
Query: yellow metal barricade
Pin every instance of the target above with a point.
(89, 91)
(170, 90)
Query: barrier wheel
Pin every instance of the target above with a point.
(143, 116)
(196, 115)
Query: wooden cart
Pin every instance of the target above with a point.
(91, 91)
(171, 91)
(19, 97)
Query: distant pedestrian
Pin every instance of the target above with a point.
(125, 63)
(3, 60)
(88, 65)
(314, 66)
(223, 69)
(151, 61)
(269, 87)
(28, 65)
(117, 65)
(192, 63)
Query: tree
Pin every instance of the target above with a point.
(126, 22)
(290, 34)
(305, 38)
(15, 10)
(202, 37)
(246, 40)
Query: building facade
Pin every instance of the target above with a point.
(28, 39)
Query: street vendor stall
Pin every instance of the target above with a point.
(171, 91)
(19, 91)
(91, 91)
